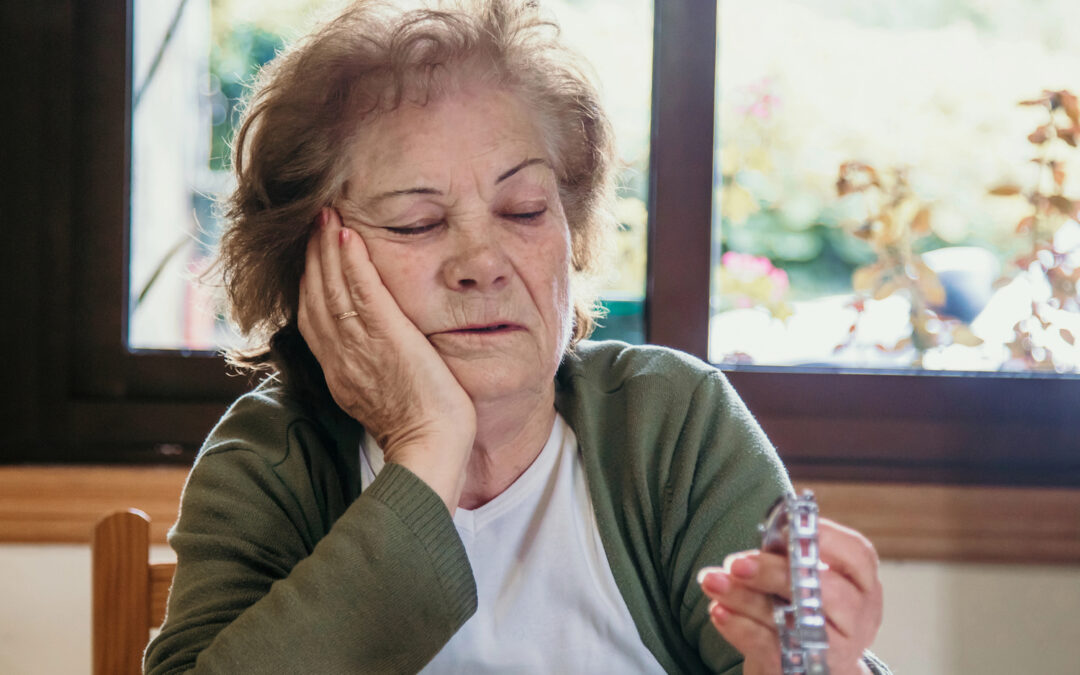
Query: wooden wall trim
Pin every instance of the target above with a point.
(61, 504)
(41, 504)
(959, 523)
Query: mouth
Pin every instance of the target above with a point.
(485, 329)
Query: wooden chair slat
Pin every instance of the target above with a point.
(129, 594)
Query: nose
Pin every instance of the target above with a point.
(477, 260)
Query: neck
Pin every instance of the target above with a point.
(510, 433)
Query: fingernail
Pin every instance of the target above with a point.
(343, 236)
(717, 582)
(718, 613)
(706, 571)
(744, 568)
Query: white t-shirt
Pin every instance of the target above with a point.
(547, 601)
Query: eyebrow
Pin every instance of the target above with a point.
(432, 191)
(529, 162)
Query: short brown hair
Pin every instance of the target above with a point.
(291, 152)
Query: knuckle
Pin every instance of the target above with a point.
(309, 295)
(335, 298)
(361, 292)
(868, 551)
(351, 342)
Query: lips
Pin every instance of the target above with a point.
(484, 329)
(488, 328)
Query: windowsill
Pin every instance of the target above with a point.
(45, 504)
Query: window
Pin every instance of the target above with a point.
(836, 423)
(192, 61)
(881, 199)
(83, 395)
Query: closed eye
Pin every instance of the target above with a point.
(526, 216)
(414, 229)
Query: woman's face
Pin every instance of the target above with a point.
(459, 207)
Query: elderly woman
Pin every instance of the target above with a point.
(441, 474)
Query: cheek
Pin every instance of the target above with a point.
(554, 261)
(403, 274)
(564, 263)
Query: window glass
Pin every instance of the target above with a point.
(897, 184)
(192, 61)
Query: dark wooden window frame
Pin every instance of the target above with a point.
(887, 426)
(77, 394)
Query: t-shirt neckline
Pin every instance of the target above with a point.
(530, 480)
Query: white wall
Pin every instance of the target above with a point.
(980, 619)
(939, 619)
(45, 608)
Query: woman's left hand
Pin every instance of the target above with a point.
(742, 606)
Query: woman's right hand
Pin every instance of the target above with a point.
(379, 367)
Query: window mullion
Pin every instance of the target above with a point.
(677, 307)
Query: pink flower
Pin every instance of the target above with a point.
(762, 102)
(748, 267)
(750, 280)
(779, 279)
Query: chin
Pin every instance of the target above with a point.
(486, 381)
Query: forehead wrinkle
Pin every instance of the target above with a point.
(374, 201)
(407, 141)
(379, 189)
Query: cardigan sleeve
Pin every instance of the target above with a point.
(260, 587)
(724, 478)
(737, 477)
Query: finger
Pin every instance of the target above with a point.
(335, 286)
(755, 641)
(842, 603)
(843, 651)
(856, 610)
(760, 571)
(361, 278)
(736, 597)
(842, 549)
(364, 286)
(735, 608)
(314, 318)
(847, 607)
(769, 574)
(850, 554)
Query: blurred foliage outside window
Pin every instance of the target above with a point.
(896, 185)
(193, 63)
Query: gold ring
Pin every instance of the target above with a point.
(346, 315)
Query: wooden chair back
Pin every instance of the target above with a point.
(129, 594)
